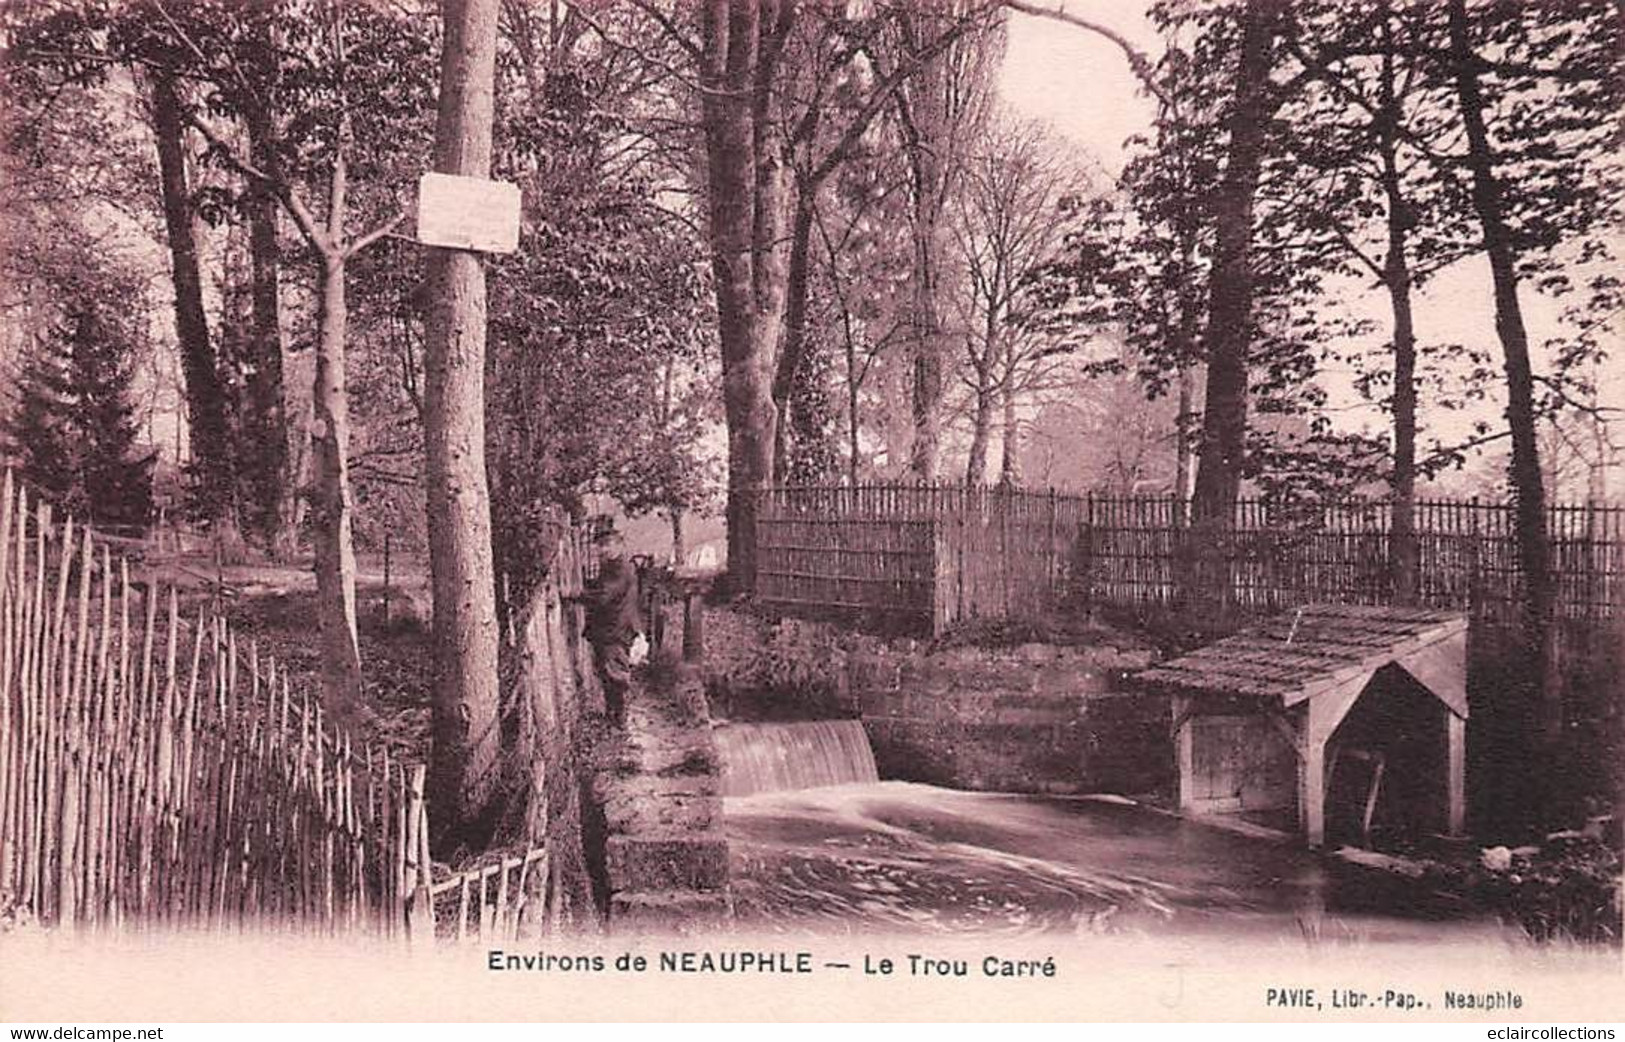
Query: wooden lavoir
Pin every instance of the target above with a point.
(1267, 718)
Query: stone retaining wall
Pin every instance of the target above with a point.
(547, 676)
(664, 863)
(1029, 718)
(630, 815)
(1038, 718)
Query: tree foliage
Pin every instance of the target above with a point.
(601, 325)
(74, 434)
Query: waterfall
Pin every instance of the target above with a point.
(774, 757)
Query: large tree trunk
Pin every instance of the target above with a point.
(209, 439)
(1224, 419)
(466, 731)
(1403, 551)
(1402, 548)
(299, 459)
(1184, 458)
(925, 314)
(926, 137)
(793, 351)
(267, 428)
(333, 505)
(679, 551)
(986, 390)
(981, 432)
(1529, 492)
(748, 340)
(1618, 835)
(854, 458)
(1184, 349)
(1010, 437)
(741, 48)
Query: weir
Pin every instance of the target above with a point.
(982, 826)
(807, 755)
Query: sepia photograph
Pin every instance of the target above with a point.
(743, 510)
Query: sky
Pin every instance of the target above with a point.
(1082, 85)
(1078, 81)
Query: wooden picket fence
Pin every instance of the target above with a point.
(929, 556)
(1137, 552)
(156, 770)
(913, 556)
(491, 902)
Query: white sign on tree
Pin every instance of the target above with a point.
(468, 213)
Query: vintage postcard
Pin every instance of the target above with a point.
(522, 510)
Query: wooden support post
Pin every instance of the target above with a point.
(1456, 780)
(1184, 744)
(1318, 722)
(1312, 778)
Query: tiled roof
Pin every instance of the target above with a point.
(1300, 654)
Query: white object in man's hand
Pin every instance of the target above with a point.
(639, 652)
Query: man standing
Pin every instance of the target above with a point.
(615, 629)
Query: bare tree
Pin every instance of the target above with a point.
(825, 135)
(851, 272)
(330, 239)
(1008, 220)
(940, 110)
(749, 125)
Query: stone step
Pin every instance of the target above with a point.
(667, 862)
(635, 814)
(669, 911)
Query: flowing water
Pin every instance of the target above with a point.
(882, 857)
(775, 757)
